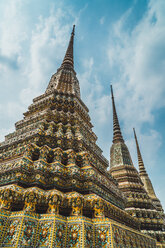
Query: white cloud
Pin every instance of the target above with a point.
(5, 131)
(141, 58)
(92, 93)
(12, 33)
(102, 20)
(46, 46)
(85, 77)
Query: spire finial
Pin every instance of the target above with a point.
(111, 91)
(68, 61)
(73, 30)
(142, 169)
(117, 136)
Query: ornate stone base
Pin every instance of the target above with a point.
(159, 245)
(28, 229)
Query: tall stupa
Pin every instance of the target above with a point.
(55, 186)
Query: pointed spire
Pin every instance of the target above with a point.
(142, 169)
(68, 61)
(117, 136)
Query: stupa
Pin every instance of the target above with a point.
(55, 187)
(142, 202)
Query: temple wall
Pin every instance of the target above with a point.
(159, 245)
(28, 229)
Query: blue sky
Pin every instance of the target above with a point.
(116, 41)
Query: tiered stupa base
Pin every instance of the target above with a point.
(28, 229)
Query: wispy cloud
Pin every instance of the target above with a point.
(140, 57)
(48, 40)
(102, 20)
(11, 62)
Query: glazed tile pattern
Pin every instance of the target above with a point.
(49, 230)
(125, 238)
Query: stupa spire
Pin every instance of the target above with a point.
(68, 61)
(142, 169)
(145, 178)
(65, 80)
(117, 135)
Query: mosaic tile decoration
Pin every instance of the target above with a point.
(51, 230)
